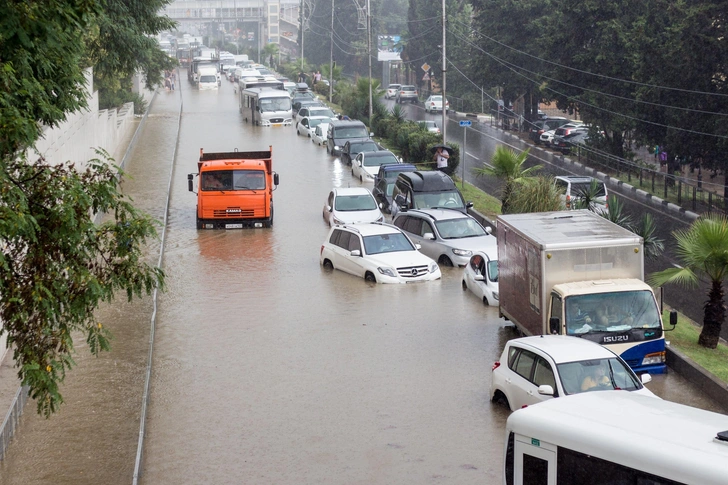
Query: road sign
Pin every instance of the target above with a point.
(426, 77)
(425, 67)
(466, 123)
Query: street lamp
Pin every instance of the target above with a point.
(369, 55)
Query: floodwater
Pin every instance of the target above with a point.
(268, 369)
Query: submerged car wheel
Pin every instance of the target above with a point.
(328, 265)
(444, 261)
(485, 301)
(465, 285)
(369, 276)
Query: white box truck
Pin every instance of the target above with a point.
(576, 273)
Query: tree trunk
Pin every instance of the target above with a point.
(714, 316)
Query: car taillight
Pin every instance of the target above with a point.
(322, 249)
(496, 365)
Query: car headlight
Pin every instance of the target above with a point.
(495, 295)
(433, 267)
(387, 272)
(462, 252)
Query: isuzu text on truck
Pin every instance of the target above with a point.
(234, 189)
(576, 273)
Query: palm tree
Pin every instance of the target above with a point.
(703, 252)
(535, 194)
(508, 165)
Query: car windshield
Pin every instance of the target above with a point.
(443, 200)
(208, 79)
(352, 132)
(233, 180)
(460, 228)
(322, 112)
(357, 148)
(268, 105)
(597, 375)
(612, 313)
(387, 243)
(313, 122)
(577, 189)
(363, 202)
(377, 160)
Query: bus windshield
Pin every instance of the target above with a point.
(611, 312)
(274, 104)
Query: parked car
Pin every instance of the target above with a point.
(298, 103)
(366, 164)
(534, 369)
(407, 94)
(545, 124)
(391, 91)
(481, 276)
(314, 110)
(352, 148)
(384, 183)
(447, 236)
(427, 189)
(547, 136)
(319, 134)
(350, 205)
(341, 131)
(379, 253)
(433, 104)
(430, 126)
(308, 123)
(566, 143)
(574, 187)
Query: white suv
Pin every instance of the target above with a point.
(574, 188)
(377, 252)
(533, 369)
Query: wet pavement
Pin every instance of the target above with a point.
(267, 368)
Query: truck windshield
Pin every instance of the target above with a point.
(611, 312)
(233, 180)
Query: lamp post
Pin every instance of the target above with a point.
(444, 72)
(331, 59)
(369, 55)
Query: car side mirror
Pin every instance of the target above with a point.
(355, 253)
(645, 378)
(418, 246)
(428, 235)
(399, 199)
(328, 208)
(554, 324)
(489, 230)
(545, 390)
(469, 205)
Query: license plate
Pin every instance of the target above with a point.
(233, 226)
(276, 125)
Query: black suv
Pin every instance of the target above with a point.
(352, 148)
(427, 190)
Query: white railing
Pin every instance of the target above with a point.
(12, 419)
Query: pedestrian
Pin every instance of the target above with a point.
(441, 157)
(171, 81)
(663, 156)
(656, 151)
(317, 77)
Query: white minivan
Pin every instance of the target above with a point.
(207, 78)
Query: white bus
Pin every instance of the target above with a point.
(615, 438)
(266, 106)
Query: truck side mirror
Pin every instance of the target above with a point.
(554, 325)
(189, 181)
(673, 319)
(276, 180)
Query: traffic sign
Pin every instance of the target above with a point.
(426, 77)
(425, 67)
(466, 123)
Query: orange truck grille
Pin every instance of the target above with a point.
(233, 212)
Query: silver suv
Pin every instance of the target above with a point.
(574, 188)
(406, 93)
(447, 236)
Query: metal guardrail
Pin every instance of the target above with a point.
(12, 419)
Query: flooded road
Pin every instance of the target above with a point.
(267, 369)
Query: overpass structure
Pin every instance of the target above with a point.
(274, 19)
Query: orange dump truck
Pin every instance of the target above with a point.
(234, 189)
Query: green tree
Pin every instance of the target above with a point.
(703, 252)
(535, 194)
(56, 264)
(509, 166)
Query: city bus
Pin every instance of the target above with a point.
(266, 106)
(615, 438)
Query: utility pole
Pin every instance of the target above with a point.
(331, 59)
(302, 29)
(444, 73)
(369, 55)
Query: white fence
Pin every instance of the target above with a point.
(76, 138)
